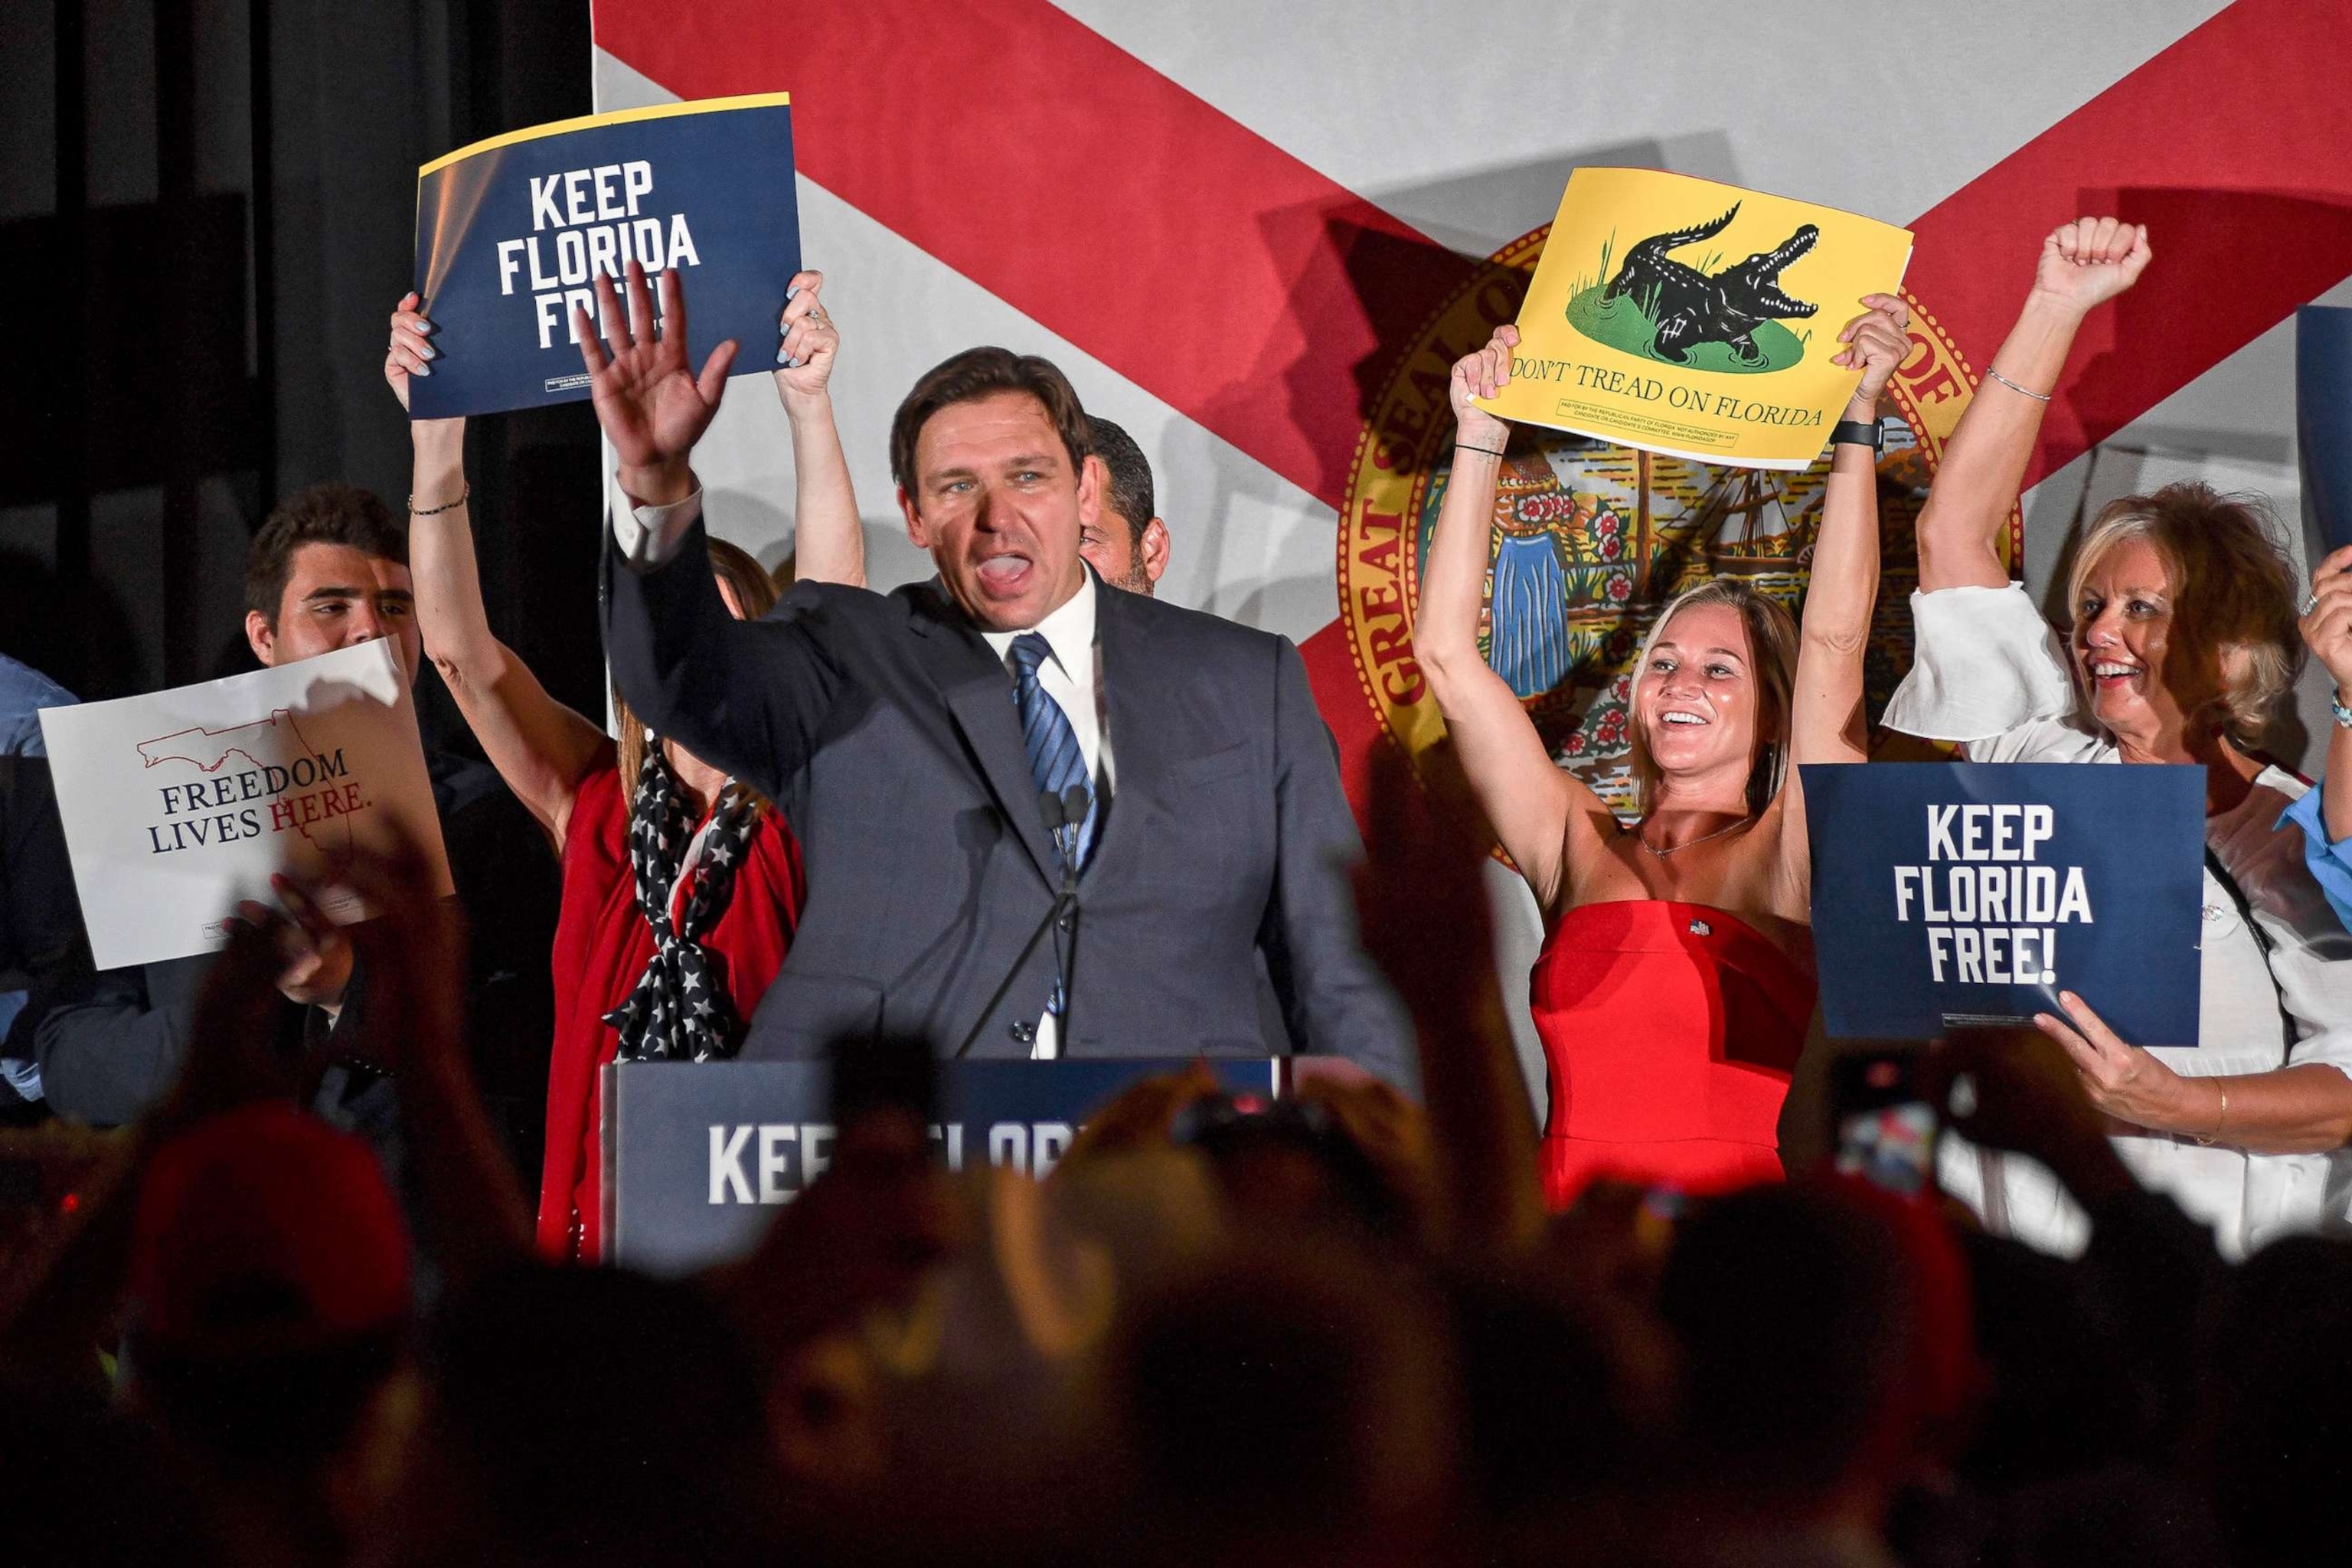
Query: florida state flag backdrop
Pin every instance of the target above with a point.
(1257, 235)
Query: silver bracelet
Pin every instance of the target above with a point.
(2343, 715)
(2037, 396)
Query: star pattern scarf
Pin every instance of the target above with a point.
(678, 1012)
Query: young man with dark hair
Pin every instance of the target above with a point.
(1134, 556)
(956, 754)
(328, 570)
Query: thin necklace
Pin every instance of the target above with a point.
(1642, 839)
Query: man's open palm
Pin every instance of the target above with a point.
(654, 409)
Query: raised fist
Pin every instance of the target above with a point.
(2091, 260)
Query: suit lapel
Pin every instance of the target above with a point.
(979, 695)
(1136, 722)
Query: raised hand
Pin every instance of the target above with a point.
(410, 349)
(415, 1024)
(411, 352)
(2013, 1088)
(2091, 260)
(653, 408)
(1878, 341)
(2326, 623)
(1482, 373)
(314, 955)
(805, 357)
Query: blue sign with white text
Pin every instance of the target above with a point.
(511, 234)
(697, 1156)
(1948, 894)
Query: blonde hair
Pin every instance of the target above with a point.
(754, 592)
(1772, 655)
(2233, 590)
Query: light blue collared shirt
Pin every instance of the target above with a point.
(2330, 863)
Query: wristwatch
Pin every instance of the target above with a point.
(1853, 432)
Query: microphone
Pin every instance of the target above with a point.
(1057, 812)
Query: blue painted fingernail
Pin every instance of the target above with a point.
(425, 370)
(788, 364)
(428, 351)
(789, 294)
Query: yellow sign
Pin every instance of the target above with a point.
(1693, 319)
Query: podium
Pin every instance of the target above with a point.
(698, 1154)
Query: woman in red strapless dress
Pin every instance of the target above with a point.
(1670, 1032)
(1676, 979)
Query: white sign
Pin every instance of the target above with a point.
(179, 804)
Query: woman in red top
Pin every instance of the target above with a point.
(1676, 977)
(680, 886)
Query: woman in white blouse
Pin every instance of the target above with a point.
(2182, 646)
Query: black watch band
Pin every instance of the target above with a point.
(1855, 432)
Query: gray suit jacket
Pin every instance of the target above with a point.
(886, 728)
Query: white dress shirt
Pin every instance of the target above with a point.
(1072, 678)
(648, 536)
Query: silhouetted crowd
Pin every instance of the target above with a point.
(326, 1290)
(1337, 1329)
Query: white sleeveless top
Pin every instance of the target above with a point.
(1992, 673)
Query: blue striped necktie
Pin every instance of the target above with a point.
(1055, 760)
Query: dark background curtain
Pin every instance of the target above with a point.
(208, 207)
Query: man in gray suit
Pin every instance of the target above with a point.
(955, 755)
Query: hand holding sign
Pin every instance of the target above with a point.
(2123, 1080)
(1878, 341)
(2326, 623)
(804, 356)
(2090, 261)
(1481, 373)
(652, 407)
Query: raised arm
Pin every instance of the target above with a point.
(828, 542)
(748, 696)
(539, 747)
(1844, 585)
(1530, 800)
(2083, 263)
(1826, 719)
(2327, 631)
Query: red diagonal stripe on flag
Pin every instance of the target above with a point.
(1073, 181)
(2231, 146)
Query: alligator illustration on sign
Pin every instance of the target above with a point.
(1689, 307)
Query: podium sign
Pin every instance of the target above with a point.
(696, 1154)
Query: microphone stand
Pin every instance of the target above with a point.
(1055, 811)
